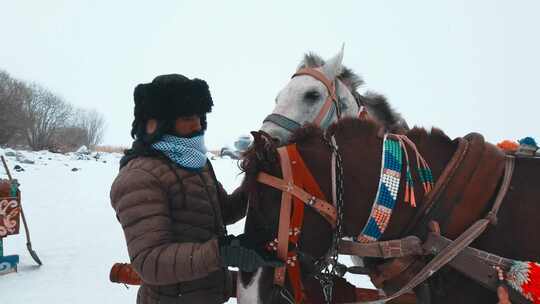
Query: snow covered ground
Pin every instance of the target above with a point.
(74, 229)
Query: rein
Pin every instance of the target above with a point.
(330, 266)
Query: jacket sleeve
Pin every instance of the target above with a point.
(233, 206)
(142, 207)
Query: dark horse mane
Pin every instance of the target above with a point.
(262, 156)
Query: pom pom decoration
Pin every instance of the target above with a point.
(528, 141)
(508, 146)
(525, 278)
(527, 146)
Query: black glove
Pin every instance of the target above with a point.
(239, 251)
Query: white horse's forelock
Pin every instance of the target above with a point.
(352, 80)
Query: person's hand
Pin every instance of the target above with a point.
(240, 251)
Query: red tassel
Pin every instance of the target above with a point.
(532, 286)
(413, 200)
(406, 199)
(363, 113)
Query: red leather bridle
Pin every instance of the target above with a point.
(326, 109)
(330, 87)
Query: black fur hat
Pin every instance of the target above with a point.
(171, 96)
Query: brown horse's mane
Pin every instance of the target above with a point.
(349, 129)
(307, 133)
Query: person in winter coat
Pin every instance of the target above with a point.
(171, 207)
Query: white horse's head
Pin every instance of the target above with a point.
(318, 92)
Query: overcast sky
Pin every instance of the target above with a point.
(460, 65)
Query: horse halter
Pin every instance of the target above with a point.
(326, 109)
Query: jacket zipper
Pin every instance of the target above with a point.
(220, 229)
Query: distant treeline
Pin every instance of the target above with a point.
(34, 117)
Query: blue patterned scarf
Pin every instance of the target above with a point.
(186, 152)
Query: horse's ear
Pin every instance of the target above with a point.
(258, 140)
(333, 67)
(260, 144)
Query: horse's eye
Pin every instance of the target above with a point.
(312, 95)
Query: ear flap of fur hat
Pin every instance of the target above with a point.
(168, 97)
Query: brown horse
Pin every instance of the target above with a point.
(360, 143)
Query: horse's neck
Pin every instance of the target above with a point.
(437, 151)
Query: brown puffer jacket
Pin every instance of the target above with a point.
(171, 219)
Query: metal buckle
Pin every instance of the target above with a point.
(289, 187)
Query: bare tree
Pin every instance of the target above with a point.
(12, 95)
(94, 123)
(69, 138)
(45, 113)
(85, 127)
(33, 114)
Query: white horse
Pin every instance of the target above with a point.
(320, 92)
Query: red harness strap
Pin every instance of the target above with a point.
(326, 210)
(293, 265)
(284, 216)
(302, 178)
(301, 189)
